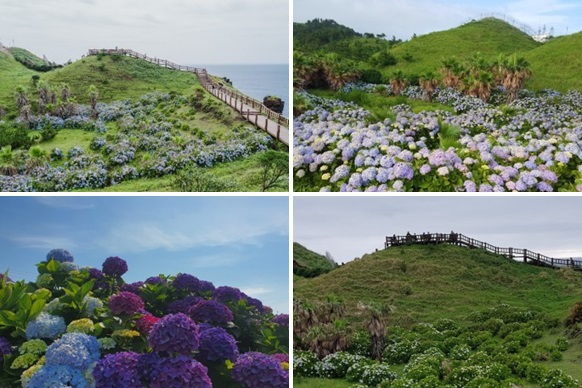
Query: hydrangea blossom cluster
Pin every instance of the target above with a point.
(210, 311)
(58, 376)
(132, 287)
(183, 305)
(45, 326)
(125, 303)
(145, 323)
(117, 370)
(5, 348)
(60, 255)
(226, 294)
(114, 266)
(186, 282)
(217, 345)
(77, 350)
(175, 333)
(181, 372)
(257, 370)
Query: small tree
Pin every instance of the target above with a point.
(21, 97)
(274, 165)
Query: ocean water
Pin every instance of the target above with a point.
(257, 81)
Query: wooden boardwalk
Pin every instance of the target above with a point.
(525, 255)
(252, 110)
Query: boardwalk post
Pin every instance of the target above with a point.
(525, 255)
(511, 253)
(266, 124)
(278, 132)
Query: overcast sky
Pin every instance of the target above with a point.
(349, 227)
(183, 31)
(403, 18)
(236, 241)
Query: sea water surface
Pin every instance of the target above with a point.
(257, 81)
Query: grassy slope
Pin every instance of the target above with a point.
(488, 36)
(430, 282)
(309, 259)
(557, 64)
(119, 77)
(12, 74)
(25, 55)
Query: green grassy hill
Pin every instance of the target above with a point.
(426, 283)
(488, 36)
(557, 64)
(12, 74)
(118, 77)
(308, 263)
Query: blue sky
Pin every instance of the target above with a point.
(236, 241)
(403, 18)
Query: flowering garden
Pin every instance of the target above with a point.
(531, 144)
(86, 327)
(152, 137)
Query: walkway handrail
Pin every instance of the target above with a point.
(207, 82)
(526, 255)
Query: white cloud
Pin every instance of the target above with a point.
(44, 242)
(73, 203)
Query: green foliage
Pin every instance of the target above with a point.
(32, 61)
(274, 166)
(14, 136)
(307, 263)
(18, 306)
(305, 363)
(200, 180)
(319, 32)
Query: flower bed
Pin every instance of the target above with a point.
(86, 327)
(535, 144)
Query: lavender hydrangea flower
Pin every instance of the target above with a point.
(118, 370)
(132, 287)
(280, 357)
(60, 255)
(155, 280)
(183, 305)
(257, 370)
(147, 367)
(255, 303)
(174, 333)
(181, 372)
(210, 311)
(125, 303)
(114, 266)
(217, 345)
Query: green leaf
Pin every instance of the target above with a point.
(36, 308)
(7, 318)
(53, 266)
(25, 302)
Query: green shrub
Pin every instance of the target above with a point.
(305, 363)
(482, 382)
(445, 324)
(371, 374)
(400, 352)
(360, 344)
(555, 378)
(534, 372)
(336, 365)
(562, 344)
(17, 137)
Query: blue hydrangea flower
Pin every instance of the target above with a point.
(58, 376)
(45, 326)
(60, 255)
(78, 350)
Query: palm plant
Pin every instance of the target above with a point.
(453, 72)
(377, 325)
(37, 157)
(26, 113)
(93, 98)
(428, 82)
(398, 82)
(65, 92)
(516, 74)
(7, 161)
(44, 96)
(479, 85)
(21, 97)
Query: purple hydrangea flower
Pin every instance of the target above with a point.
(94, 273)
(255, 303)
(155, 280)
(125, 303)
(280, 357)
(226, 294)
(403, 171)
(257, 370)
(187, 282)
(132, 287)
(183, 305)
(181, 372)
(118, 370)
(217, 345)
(147, 367)
(210, 311)
(114, 266)
(281, 320)
(174, 333)
(425, 169)
(60, 255)
(206, 286)
(5, 348)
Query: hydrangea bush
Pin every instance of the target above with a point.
(86, 327)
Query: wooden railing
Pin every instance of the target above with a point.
(206, 81)
(525, 255)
